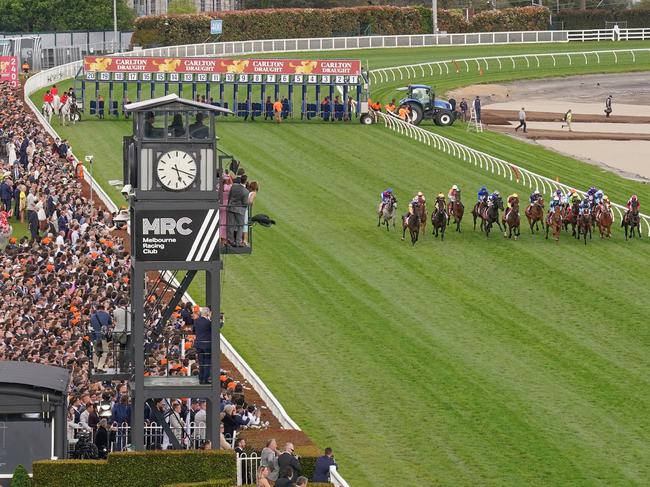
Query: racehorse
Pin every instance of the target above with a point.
(554, 220)
(64, 112)
(535, 214)
(412, 222)
(632, 220)
(570, 217)
(585, 223)
(439, 219)
(490, 215)
(605, 219)
(421, 211)
(511, 218)
(47, 111)
(476, 211)
(56, 103)
(456, 209)
(388, 214)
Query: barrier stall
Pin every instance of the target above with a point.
(332, 89)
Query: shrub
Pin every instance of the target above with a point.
(290, 23)
(596, 18)
(21, 478)
(138, 469)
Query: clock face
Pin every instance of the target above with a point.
(176, 170)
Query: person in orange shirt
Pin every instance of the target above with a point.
(403, 112)
(391, 106)
(277, 111)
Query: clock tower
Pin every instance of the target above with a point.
(171, 179)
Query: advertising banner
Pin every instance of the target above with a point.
(177, 235)
(9, 70)
(333, 67)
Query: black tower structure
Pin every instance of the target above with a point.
(172, 178)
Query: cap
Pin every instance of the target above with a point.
(420, 193)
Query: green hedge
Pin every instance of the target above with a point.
(596, 18)
(207, 483)
(138, 469)
(299, 23)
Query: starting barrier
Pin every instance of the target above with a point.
(331, 89)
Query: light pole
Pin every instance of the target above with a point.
(116, 47)
(434, 15)
(89, 159)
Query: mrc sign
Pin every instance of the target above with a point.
(177, 235)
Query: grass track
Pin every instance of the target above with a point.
(468, 362)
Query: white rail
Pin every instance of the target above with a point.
(487, 162)
(487, 63)
(636, 34)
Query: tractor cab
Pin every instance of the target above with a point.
(422, 103)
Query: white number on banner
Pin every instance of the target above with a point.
(118, 76)
(297, 78)
(104, 76)
(312, 78)
(243, 78)
(340, 80)
(132, 76)
(284, 78)
(173, 76)
(270, 78)
(188, 77)
(257, 78)
(160, 76)
(353, 80)
(325, 78)
(90, 76)
(201, 77)
(146, 76)
(216, 78)
(230, 78)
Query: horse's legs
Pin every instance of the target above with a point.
(474, 215)
(403, 232)
(547, 229)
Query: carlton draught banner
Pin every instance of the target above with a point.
(176, 235)
(344, 67)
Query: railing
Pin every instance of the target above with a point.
(495, 165)
(637, 34)
(247, 466)
(336, 479)
(420, 70)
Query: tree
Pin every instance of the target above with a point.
(21, 478)
(181, 7)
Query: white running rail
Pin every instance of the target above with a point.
(528, 61)
(495, 165)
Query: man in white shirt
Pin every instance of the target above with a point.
(60, 242)
(522, 120)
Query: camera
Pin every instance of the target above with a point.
(89, 159)
(126, 191)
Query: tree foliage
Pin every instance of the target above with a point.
(63, 15)
(21, 478)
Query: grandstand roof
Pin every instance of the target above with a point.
(36, 375)
(168, 99)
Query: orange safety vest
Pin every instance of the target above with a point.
(80, 170)
(402, 113)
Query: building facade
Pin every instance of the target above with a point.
(156, 7)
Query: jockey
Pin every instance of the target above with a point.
(534, 196)
(386, 198)
(556, 202)
(606, 201)
(416, 201)
(598, 196)
(452, 193)
(633, 199)
(495, 196)
(575, 197)
(511, 200)
(558, 193)
(483, 194)
(584, 205)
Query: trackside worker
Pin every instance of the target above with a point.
(391, 106)
(403, 112)
(277, 111)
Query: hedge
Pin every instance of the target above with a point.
(596, 18)
(294, 23)
(207, 483)
(138, 469)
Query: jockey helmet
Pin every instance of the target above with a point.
(593, 189)
(634, 197)
(483, 188)
(454, 187)
(440, 195)
(389, 190)
(537, 191)
(420, 193)
(515, 195)
(605, 198)
(496, 193)
(558, 191)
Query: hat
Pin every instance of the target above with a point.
(454, 187)
(420, 193)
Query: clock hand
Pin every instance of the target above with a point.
(184, 172)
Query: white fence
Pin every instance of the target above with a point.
(247, 466)
(638, 34)
(528, 61)
(495, 165)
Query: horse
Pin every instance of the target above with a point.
(511, 218)
(456, 209)
(56, 103)
(535, 214)
(64, 112)
(554, 220)
(412, 222)
(570, 217)
(47, 111)
(476, 211)
(490, 215)
(388, 214)
(585, 223)
(421, 210)
(439, 219)
(632, 220)
(605, 219)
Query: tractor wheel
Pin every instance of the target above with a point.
(444, 119)
(366, 119)
(416, 113)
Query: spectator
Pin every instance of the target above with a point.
(302, 482)
(88, 418)
(232, 421)
(100, 321)
(289, 459)
(121, 413)
(176, 422)
(203, 345)
(269, 459)
(285, 479)
(262, 476)
(253, 188)
(200, 421)
(240, 444)
(322, 466)
(223, 442)
(104, 437)
(237, 205)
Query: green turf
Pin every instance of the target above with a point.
(470, 362)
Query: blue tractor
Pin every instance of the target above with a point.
(422, 101)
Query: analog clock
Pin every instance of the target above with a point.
(176, 170)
